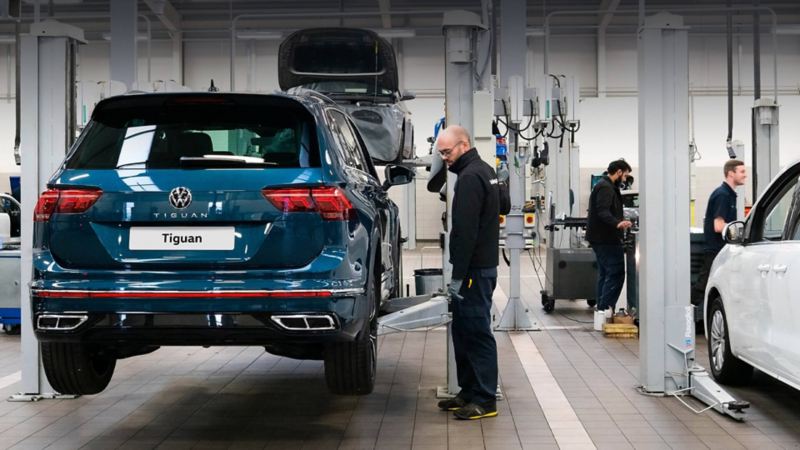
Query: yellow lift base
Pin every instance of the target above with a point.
(620, 330)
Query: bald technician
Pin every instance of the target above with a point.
(473, 253)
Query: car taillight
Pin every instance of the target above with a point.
(329, 202)
(332, 203)
(64, 201)
(290, 200)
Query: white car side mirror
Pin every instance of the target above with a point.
(733, 233)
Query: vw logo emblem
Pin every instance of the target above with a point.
(180, 197)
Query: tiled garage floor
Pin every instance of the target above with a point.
(191, 397)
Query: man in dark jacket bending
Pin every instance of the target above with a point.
(604, 233)
(473, 254)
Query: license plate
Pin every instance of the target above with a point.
(182, 238)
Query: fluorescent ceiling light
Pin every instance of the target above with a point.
(259, 35)
(139, 36)
(534, 31)
(787, 29)
(390, 33)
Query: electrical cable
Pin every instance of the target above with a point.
(551, 134)
(504, 135)
(536, 271)
(507, 123)
(537, 132)
(575, 320)
(729, 51)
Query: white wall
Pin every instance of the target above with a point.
(609, 124)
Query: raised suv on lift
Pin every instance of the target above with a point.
(214, 219)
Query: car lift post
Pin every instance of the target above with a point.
(667, 334)
(458, 27)
(517, 315)
(47, 78)
(557, 183)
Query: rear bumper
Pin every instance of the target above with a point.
(117, 318)
(140, 329)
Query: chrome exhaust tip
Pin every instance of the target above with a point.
(305, 322)
(60, 322)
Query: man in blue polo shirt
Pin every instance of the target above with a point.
(720, 211)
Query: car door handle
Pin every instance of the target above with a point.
(764, 267)
(780, 268)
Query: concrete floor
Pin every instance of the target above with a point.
(565, 386)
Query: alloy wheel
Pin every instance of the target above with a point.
(718, 340)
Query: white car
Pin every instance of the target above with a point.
(752, 308)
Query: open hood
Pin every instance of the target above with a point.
(347, 61)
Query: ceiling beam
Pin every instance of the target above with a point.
(166, 13)
(386, 18)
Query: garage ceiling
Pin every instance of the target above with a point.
(203, 19)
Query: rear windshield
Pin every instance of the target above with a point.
(199, 135)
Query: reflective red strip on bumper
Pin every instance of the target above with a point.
(45, 293)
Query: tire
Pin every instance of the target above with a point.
(350, 367)
(72, 369)
(725, 367)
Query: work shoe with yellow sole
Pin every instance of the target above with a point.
(473, 411)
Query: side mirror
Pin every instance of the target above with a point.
(396, 176)
(733, 233)
(407, 95)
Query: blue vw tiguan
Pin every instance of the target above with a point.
(214, 219)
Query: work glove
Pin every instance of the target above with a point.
(453, 288)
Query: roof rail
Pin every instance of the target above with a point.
(310, 93)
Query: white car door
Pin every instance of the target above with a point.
(748, 270)
(784, 320)
(762, 318)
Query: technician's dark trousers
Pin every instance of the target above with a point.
(473, 341)
(699, 287)
(610, 273)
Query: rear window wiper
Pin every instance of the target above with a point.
(131, 164)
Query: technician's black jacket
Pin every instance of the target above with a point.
(476, 221)
(605, 212)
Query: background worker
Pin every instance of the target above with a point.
(604, 232)
(474, 255)
(720, 211)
